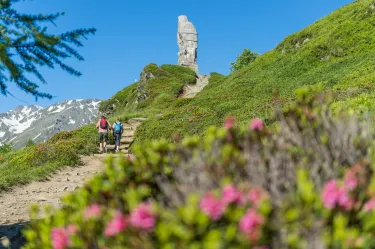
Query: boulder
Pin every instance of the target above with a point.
(146, 75)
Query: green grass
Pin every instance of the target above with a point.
(337, 52)
(36, 162)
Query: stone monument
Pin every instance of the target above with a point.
(187, 38)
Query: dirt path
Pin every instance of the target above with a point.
(190, 91)
(14, 205)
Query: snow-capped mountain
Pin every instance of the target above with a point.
(38, 124)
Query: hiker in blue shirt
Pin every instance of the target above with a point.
(117, 132)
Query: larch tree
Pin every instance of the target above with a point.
(244, 59)
(26, 46)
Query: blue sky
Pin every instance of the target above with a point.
(133, 33)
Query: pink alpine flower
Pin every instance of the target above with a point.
(251, 221)
(143, 217)
(256, 124)
(116, 225)
(344, 199)
(71, 229)
(92, 211)
(330, 194)
(232, 195)
(60, 238)
(333, 195)
(212, 207)
(256, 196)
(350, 180)
(369, 206)
(229, 122)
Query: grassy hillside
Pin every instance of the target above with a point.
(337, 52)
(36, 162)
(162, 86)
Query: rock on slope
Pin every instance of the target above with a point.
(187, 38)
(38, 124)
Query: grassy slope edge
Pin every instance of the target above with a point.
(37, 162)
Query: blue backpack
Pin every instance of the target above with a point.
(118, 127)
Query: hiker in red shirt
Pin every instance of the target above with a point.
(104, 126)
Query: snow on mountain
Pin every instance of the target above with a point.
(19, 119)
(38, 124)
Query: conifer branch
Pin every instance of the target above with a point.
(24, 38)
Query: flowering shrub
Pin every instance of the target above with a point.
(240, 218)
(340, 216)
(310, 184)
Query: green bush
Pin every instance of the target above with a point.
(29, 143)
(244, 59)
(5, 148)
(62, 151)
(151, 68)
(183, 74)
(205, 192)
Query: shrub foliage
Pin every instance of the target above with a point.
(26, 45)
(307, 184)
(244, 59)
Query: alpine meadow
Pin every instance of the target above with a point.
(279, 153)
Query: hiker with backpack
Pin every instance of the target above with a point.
(118, 129)
(103, 127)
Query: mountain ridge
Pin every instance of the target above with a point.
(38, 124)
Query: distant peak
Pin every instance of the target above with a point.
(19, 108)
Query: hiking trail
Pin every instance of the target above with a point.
(190, 91)
(15, 203)
(127, 137)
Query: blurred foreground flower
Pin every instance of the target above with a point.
(92, 211)
(60, 238)
(230, 122)
(212, 207)
(256, 124)
(251, 223)
(232, 195)
(116, 225)
(142, 217)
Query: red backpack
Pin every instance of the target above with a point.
(103, 124)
